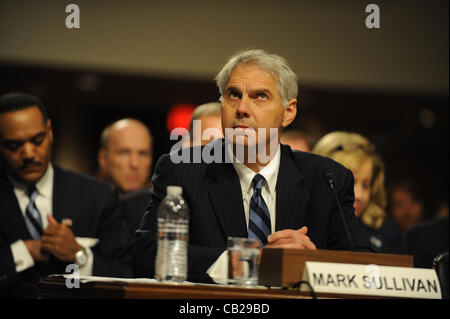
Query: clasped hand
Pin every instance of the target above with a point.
(58, 240)
(289, 238)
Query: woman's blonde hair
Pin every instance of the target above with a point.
(352, 150)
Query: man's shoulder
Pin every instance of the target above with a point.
(311, 164)
(434, 226)
(78, 181)
(134, 204)
(6, 189)
(140, 193)
(4, 180)
(194, 157)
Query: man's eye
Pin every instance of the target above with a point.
(38, 140)
(262, 96)
(234, 95)
(12, 146)
(144, 154)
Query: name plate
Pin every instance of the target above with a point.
(372, 280)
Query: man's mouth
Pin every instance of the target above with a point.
(133, 177)
(242, 127)
(243, 130)
(31, 168)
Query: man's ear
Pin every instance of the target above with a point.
(290, 112)
(101, 158)
(50, 131)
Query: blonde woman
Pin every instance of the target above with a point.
(358, 154)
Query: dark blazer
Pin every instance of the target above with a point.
(133, 206)
(214, 196)
(427, 240)
(93, 207)
(386, 239)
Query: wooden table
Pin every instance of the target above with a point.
(220, 301)
(55, 287)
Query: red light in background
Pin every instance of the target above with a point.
(179, 117)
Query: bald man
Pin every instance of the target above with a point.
(125, 156)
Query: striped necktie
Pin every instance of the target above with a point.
(33, 218)
(259, 219)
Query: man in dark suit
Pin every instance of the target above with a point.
(283, 199)
(50, 217)
(125, 160)
(133, 206)
(427, 240)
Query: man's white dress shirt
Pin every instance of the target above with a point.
(218, 270)
(43, 202)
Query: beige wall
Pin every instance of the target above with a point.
(325, 41)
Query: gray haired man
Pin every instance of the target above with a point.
(281, 199)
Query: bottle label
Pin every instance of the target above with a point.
(171, 259)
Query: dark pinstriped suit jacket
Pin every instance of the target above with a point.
(214, 196)
(95, 212)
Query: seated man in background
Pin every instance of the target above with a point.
(125, 155)
(207, 116)
(125, 159)
(281, 199)
(430, 238)
(406, 204)
(426, 240)
(50, 217)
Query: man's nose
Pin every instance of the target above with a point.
(243, 107)
(134, 161)
(28, 151)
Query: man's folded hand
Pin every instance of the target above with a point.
(289, 238)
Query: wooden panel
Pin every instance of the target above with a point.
(288, 264)
(55, 288)
(170, 291)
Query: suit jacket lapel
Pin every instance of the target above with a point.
(292, 195)
(226, 198)
(12, 222)
(63, 201)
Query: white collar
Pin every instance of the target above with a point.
(269, 172)
(44, 185)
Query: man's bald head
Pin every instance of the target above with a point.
(127, 125)
(125, 155)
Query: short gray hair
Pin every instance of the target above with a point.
(287, 80)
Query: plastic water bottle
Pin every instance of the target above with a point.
(173, 232)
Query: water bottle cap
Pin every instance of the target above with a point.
(174, 190)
